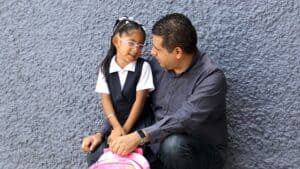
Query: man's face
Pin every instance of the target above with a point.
(165, 58)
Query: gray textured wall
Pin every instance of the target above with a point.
(49, 51)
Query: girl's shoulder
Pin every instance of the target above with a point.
(143, 60)
(145, 63)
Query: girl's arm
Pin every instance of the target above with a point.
(109, 111)
(136, 109)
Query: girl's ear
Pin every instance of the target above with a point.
(115, 41)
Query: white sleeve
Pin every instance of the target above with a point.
(146, 78)
(101, 85)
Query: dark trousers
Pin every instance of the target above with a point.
(178, 152)
(185, 152)
(95, 155)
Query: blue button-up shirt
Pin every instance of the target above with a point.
(192, 102)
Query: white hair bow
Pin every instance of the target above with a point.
(128, 19)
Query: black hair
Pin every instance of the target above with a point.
(176, 30)
(121, 26)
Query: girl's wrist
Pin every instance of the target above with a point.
(118, 128)
(126, 130)
(110, 115)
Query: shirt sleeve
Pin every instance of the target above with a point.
(206, 98)
(146, 78)
(101, 85)
(105, 127)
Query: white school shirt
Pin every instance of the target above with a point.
(145, 81)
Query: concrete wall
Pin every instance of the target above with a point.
(49, 51)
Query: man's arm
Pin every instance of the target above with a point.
(208, 95)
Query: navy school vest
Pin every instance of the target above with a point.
(122, 100)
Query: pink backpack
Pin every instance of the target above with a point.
(135, 160)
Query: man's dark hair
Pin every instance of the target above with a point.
(176, 30)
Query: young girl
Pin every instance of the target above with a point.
(124, 81)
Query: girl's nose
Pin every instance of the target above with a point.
(135, 49)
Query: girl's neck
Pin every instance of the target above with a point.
(121, 63)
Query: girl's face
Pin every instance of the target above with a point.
(129, 46)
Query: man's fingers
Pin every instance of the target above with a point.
(120, 150)
(93, 146)
(90, 143)
(123, 151)
(85, 145)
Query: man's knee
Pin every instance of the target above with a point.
(91, 158)
(173, 146)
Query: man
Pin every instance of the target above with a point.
(189, 130)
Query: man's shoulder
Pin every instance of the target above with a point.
(206, 71)
(208, 65)
(154, 65)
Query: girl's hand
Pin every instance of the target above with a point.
(115, 133)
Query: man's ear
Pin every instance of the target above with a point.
(178, 52)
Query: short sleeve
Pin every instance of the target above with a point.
(101, 85)
(146, 78)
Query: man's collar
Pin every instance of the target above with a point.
(196, 56)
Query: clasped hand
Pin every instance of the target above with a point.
(124, 144)
(115, 133)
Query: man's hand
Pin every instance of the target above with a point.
(124, 145)
(89, 143)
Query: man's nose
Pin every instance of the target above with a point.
(153, 53)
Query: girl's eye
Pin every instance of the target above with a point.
(131, 44)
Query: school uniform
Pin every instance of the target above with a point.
(122, 85)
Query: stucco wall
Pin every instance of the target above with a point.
(49, 51)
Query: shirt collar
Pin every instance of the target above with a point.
(196, 57)
(114, 67)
